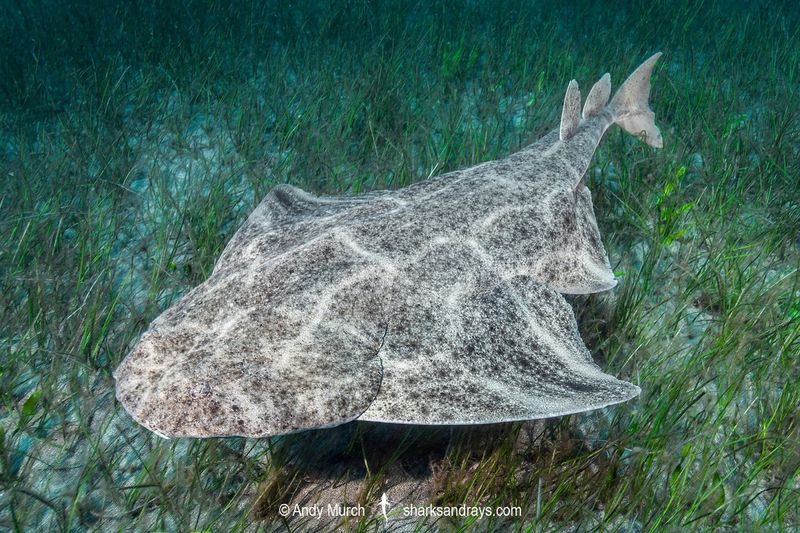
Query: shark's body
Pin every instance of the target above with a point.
(435, 304)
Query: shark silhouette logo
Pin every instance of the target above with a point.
(384, 505)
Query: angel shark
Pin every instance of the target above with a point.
(439, 303)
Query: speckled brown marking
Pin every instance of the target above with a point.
(435, 304)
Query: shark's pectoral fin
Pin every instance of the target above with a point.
(248, 390)
(513, 352)
(278, 347)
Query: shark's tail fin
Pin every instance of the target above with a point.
(630, 108)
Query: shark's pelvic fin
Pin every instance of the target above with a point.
(570, 115)
(597, 97)
(629, 106)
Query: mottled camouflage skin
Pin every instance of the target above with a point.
(435, 304)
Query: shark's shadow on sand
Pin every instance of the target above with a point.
(357, 446)
(358, 462)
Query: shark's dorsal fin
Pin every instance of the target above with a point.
(570, 116)
(598, 97)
